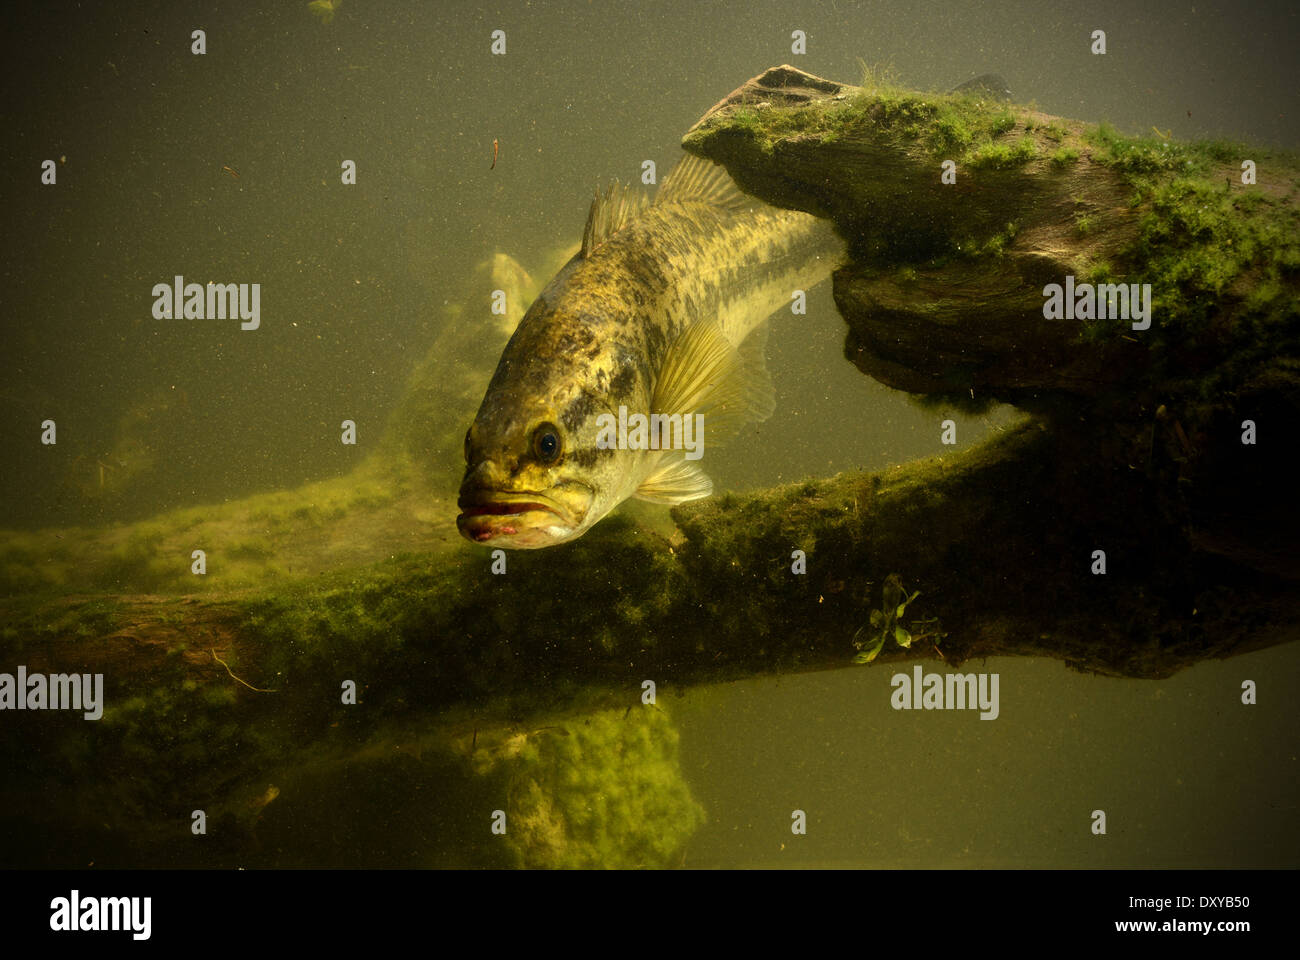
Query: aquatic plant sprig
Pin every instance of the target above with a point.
(887, 621)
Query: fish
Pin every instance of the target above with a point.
(986, 84)
(663, 311)
(495, 148)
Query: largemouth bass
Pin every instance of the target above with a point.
(661, 313)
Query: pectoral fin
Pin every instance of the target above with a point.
(676, 481)
(705, 373)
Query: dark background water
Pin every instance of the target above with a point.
(354, 281)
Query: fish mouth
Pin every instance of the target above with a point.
(501, 507)
(523, 519)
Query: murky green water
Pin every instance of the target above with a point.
(1190, 778)
(225, 167)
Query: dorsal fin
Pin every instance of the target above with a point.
(695, 179)
(609, 212)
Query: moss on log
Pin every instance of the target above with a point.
(943, 291)
(995, 541)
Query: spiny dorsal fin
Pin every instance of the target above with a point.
(697, 180)
(609, 212)
(674, 482)
(693, 180)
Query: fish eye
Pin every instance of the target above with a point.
(546, 442)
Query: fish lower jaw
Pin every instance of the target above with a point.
(529, 530)
(519, 524)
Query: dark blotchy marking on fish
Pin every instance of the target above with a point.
(588, 456)
(576, 412)
(623, 381)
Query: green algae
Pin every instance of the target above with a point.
(960, 126)
(1004, 155)
(479, 693)
(1222, 257)
(596, 782)
(904, 216)
(603, 790)
(1203, 238)
(246, 542)
(1223, 260)
(1064, 156)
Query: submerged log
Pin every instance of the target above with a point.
(223, 704)
(960, 212)
(944, 286)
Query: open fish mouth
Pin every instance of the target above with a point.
(485, 501)
(500, 507)
(524, 519)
